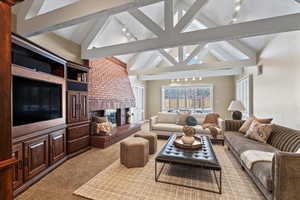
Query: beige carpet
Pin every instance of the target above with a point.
(117, 182)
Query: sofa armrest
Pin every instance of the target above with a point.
(286, 176)
(233, 125)
(153, 120)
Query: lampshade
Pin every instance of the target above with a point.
(236, 106)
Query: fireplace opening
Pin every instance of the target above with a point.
(117, 117)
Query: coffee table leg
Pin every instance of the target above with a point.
(159, 173)
(219, 183)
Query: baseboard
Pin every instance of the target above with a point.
(78, 152)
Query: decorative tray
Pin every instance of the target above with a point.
(196, 145)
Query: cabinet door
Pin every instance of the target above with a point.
(57, 146)
(83, 106)
(73, 106)
(18, 168)
(36, 156)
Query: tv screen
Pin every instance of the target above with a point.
(35, 101)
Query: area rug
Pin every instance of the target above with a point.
(120, 183)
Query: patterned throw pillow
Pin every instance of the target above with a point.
(181, 117)
(259, 132)
(191, 121)
(244, 128)
(99, 119)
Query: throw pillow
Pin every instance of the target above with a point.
(105, 127)
(100, 119)
(244, 128)
(298, 151)
(211, 119)
(191, 121)
(259, 132)
(181, 117)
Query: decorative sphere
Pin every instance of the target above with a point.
(189, 131)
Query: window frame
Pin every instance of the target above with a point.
(248, 79)
(209, 86)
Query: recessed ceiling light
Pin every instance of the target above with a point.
(238, 7)
(178, 80)
(194, 78)
(124, 29)
(200, 78)
(186, 79)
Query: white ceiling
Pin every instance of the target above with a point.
(219, 11)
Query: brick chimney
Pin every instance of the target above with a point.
(109, 85)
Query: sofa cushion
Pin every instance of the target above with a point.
(285, 139)
(167, 127)
(263, 172)
(169, 118)
(241, 144)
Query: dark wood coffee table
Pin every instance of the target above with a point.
(203, 158)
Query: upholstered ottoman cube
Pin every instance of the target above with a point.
(134, 152)
(151, 137)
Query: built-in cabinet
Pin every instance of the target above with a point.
(78, 131)
(77, 106)
(35, 155)
(58, 146)
(41, 146)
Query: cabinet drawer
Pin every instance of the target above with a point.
(78, 144)
(78, 131)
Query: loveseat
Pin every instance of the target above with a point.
(278, 179)
(164, 124)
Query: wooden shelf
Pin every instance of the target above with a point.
(75, 81)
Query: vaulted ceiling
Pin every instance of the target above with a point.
(114, 25)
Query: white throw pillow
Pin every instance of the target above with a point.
(298, 151)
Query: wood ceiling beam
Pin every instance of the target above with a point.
(147, 22)
(198, 73)
(190, 15)
(195, 67)
(221, 33)
(76, 13)
(168, 57)
(96, 30)
(169, 16)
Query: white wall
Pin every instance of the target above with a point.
(277, 90)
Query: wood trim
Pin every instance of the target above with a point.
(77, 66)
(8, 163)
(11, 2)
(23, 42)
(6, 179)
(117, 61)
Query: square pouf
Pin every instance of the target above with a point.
(152, 138)
(134, 152)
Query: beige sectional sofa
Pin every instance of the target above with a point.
(164, 124)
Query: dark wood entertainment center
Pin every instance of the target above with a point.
(40, 147)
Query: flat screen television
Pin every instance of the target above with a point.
(35, 101)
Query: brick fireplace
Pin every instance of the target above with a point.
(109, 85)
(111, 95)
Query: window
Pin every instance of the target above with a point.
(197, 98)
(244, 94)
